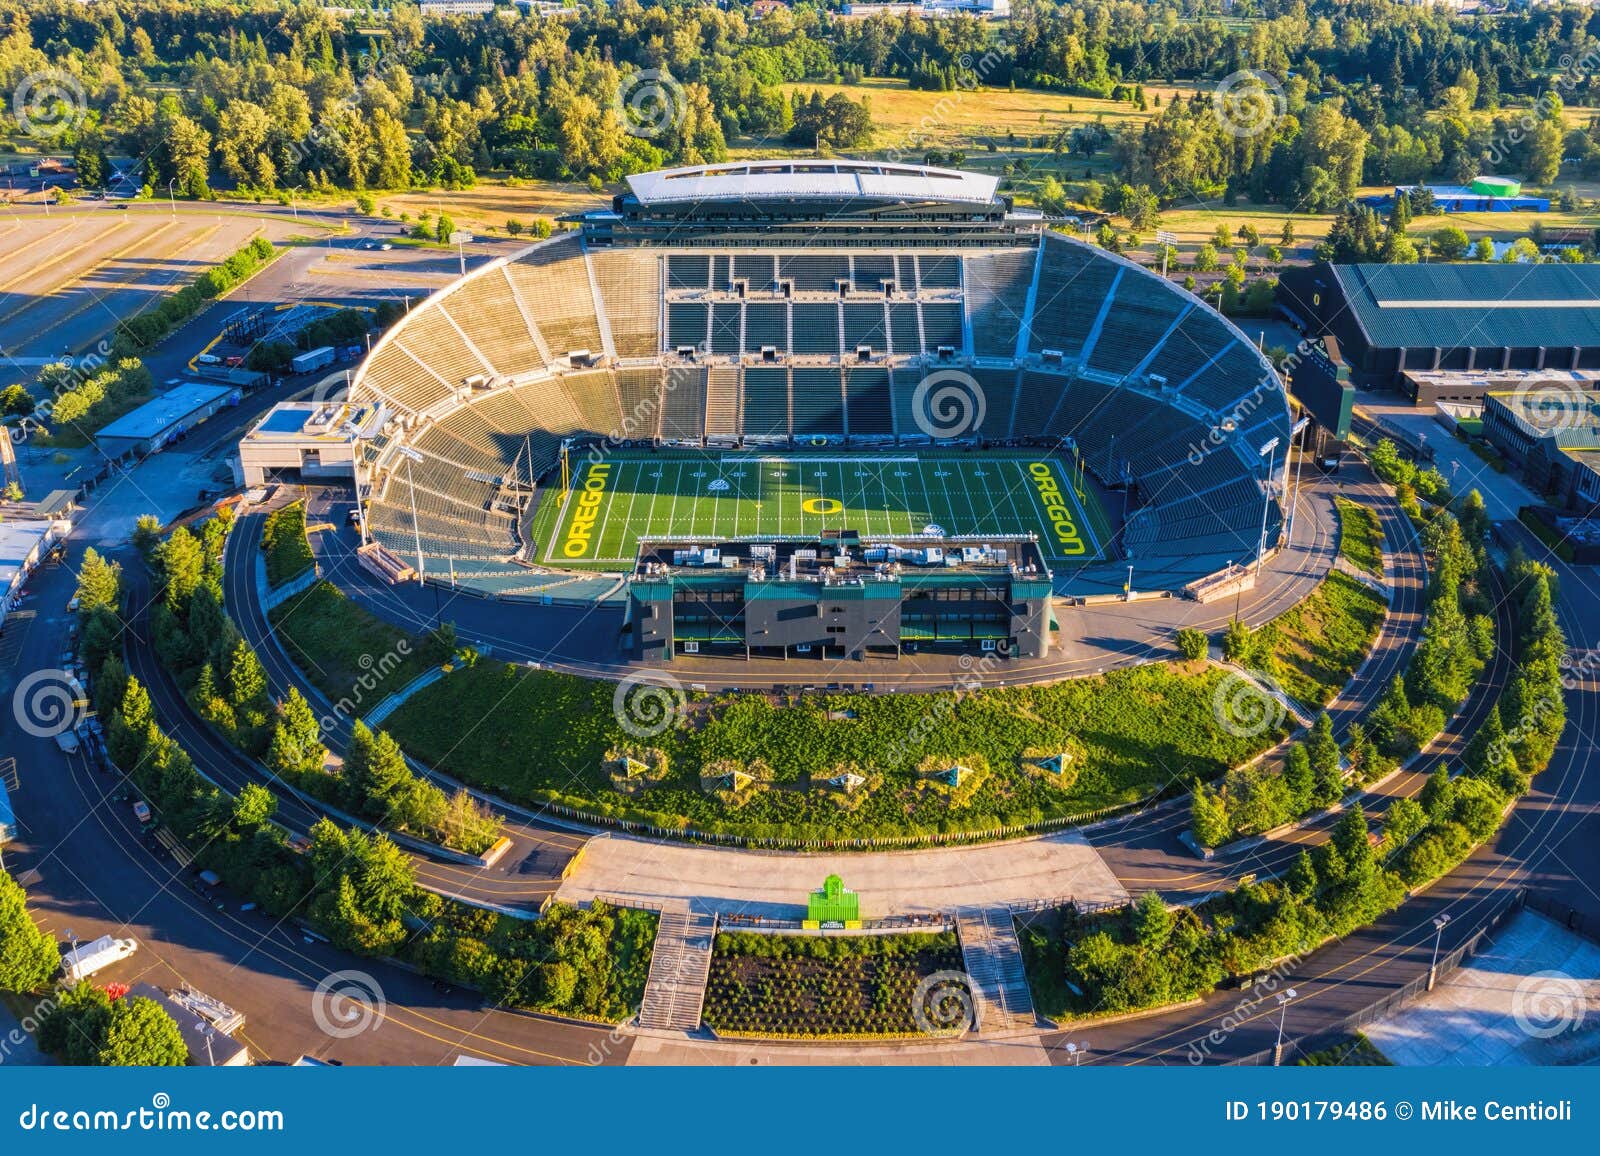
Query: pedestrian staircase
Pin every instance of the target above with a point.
(1000, 997)
(675, 991)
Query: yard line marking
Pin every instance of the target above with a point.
(624, 469)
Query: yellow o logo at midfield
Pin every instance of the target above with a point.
(822, 505)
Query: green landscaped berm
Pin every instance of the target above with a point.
(623, 497)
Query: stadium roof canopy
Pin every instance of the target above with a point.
(820, 180)
(1488, 306)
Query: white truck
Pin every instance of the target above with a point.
(312, 359)
(96, 955)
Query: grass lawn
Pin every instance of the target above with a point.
(488, 205)
(911, 120)
(807, 987)
(543, 736)
(1360, 537)
(351, 656)
(284, 546)
(1313, 649)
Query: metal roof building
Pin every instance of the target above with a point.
(155, 423)
(1475, 317)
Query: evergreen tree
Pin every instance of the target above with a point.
(99, 582)
(1208, 817)
(247, 682)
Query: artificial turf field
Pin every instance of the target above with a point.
(615, 501)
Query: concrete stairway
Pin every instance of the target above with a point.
(675, 991)
(993, 956)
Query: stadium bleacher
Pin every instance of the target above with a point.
(1148, 383)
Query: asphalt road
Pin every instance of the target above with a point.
(523, 876)
(1547, 845)
(87, 868)
(1142, 849)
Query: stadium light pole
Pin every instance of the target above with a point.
(1283, 1011)
(411, 456)
(1299, 464)
(1439, 925)
(1270, 452)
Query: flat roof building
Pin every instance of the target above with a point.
(23, 545)
(157, 422)
(1553, 433)
(840, 597)
(306, 439)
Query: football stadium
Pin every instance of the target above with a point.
(819, 355)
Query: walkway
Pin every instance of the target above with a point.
(1001, 1000)
(675, 992)
(774, 885)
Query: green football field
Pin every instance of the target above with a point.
(616, 501)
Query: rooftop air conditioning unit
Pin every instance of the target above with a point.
(946, 352)
(686, 352)
(863, 353)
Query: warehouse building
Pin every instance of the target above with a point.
(157, 422)
(838, 598)
(1390, 319)
(24, 544)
